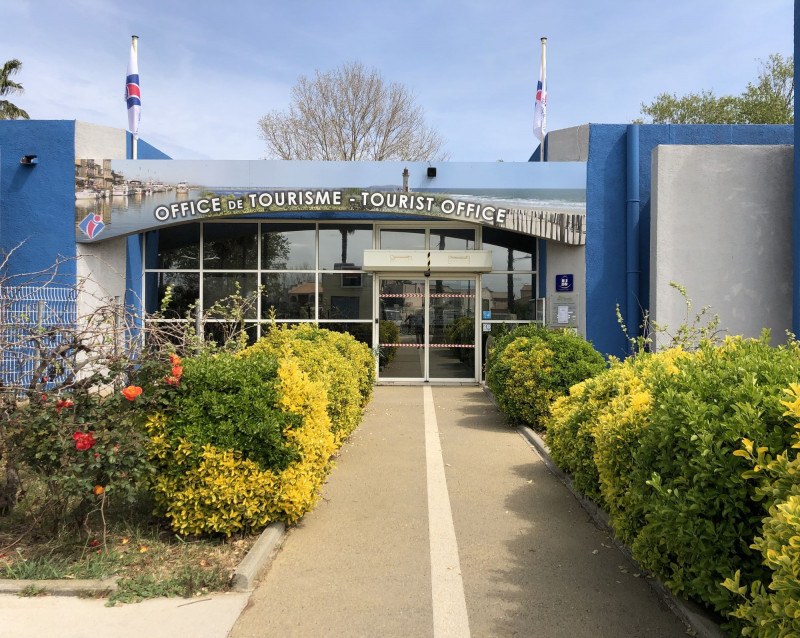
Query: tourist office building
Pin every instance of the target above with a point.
(423, 261)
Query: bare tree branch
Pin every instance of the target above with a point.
(351, 114)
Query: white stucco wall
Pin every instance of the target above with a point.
(565, 260)
(567, 145)
(721, 225)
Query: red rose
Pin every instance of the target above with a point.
(84, 441)
(63, 404)
(131, 392)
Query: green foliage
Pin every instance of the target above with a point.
(531, 367)
(700, 514)
(774, 610)
(231, 403)
(187, 582)
(251, 438)
(653, 440)
(9, 111)
(343, 365)
(769, 101)
(87, 446)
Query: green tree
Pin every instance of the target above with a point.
(350, 114)
(9, 111)
(770, 100)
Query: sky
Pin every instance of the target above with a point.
(210, 70)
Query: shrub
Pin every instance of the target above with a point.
(230, 403)
(700, 515)
(531, 367)
(84, 445)
(205, 489)
(344, 366)
(774, 610)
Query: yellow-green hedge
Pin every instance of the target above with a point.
(344, 366)
(203, 489)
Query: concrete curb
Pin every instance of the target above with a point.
(243, 578)
(258, 557)
(88, 588)
(693, 616)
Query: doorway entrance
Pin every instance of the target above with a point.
(427, 329)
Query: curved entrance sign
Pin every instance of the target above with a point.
(121, 197)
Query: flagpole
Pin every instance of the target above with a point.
(135, 141)
(544, 97)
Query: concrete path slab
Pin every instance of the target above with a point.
(530, 561)
(69, 617)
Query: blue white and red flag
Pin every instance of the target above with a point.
(540, 109)
(133, 96)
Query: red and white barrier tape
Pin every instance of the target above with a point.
(422, 345)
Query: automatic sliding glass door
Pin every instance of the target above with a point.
(426, 329)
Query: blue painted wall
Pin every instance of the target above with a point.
(606, 212)
(37, 203)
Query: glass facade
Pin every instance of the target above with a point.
(312, 272)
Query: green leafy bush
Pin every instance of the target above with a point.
(231, 403)
(531, 367)
(250, 438)
(87, 446)
(700, 514)
(206, 489)
(774, 610)
(343, 365)
(595, 432)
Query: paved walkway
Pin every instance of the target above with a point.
(440, 520)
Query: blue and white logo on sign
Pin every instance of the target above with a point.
(563, 283)
(487, 314)
(92, 225)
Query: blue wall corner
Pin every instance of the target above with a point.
(606, 212)
(37, 209)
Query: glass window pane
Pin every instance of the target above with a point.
(219, 287)
(288, 247)
(361, 331)
(173, 248)
(345, 296)
(509, 297)
(403, 239)
(341, 247)
(185, 291)
(289, 295)
(452, 239)
(510, 251)
(230, 246)
(222, 332)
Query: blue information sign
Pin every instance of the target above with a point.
(563, 283)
